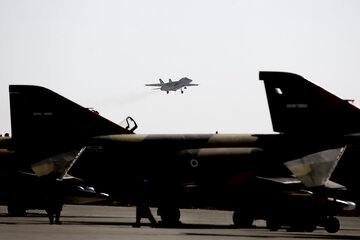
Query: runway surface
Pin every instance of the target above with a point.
(99, 222)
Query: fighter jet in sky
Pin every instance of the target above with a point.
(283, 178)
(173, 85)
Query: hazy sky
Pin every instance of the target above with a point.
(101, 53)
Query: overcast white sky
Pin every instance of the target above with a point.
(101, 53)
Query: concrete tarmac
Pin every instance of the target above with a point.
(108, 223)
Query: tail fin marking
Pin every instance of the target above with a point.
(301, 107)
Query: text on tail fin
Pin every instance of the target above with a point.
(45, 124)
(299, 106)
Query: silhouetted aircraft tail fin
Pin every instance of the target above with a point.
(298, 106)
(45, 124)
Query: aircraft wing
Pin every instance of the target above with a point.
(154, 85)
(24, 190)
(192, 84)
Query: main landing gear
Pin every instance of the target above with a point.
(331, 224)
(242, 219)
(16, 210)
(170, 215)
(182, 90)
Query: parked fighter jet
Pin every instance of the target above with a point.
(27, 190)
(173, 85)
(223, 171)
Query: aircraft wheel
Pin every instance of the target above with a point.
(296, 227)
(310, 227)
(332, 225)
(273, 224)
(169, 215)
(16, 211)
(242, 219)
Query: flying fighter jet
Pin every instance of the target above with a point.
(173, 85)
(258, 176)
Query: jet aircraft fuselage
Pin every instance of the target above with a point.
(173, 85)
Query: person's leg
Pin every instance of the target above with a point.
(150, 216)
(57, 217)
(51, 217)
(138, 216)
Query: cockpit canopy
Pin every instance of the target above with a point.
(129, 124)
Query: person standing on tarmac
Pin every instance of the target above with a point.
(54, 199)
(142, 204)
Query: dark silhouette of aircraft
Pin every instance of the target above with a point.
(283, 177)
(183, 83)
(21, 190)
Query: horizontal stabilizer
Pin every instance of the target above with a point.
(282, 180)
(57, 165)
(293, 180)
(315, 170)
(334, 185)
